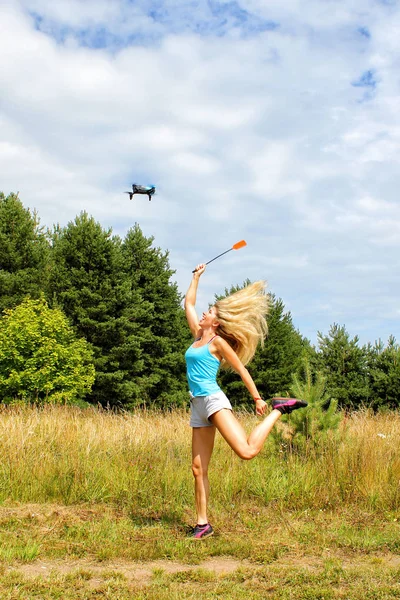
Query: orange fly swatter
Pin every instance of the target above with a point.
(236, 246)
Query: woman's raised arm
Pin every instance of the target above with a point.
(190, 301)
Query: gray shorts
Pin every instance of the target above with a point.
(203, 407)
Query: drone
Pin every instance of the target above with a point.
(141, 189)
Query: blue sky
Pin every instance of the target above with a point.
(149, 22)
(273, 122)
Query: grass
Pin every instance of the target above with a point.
(97, 505)
(70, 456)
(103, 552)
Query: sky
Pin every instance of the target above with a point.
(275, 122)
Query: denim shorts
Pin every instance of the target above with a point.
(203, 407)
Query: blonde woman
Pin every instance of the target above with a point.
(228, 335)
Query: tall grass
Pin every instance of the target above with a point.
(141, 462)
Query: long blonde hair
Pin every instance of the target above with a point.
(242, 319)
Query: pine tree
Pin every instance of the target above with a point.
(282, 354)
(384, 374)
(24, 252)
(320, 416)
(118, 295)
(345, 365)
(87, 280)
(167, 336)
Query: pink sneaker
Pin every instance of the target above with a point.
(286, 405)
(200, 532)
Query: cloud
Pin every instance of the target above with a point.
(120, 23)
(251, 118)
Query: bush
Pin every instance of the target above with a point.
(41, 360)
(319, 419)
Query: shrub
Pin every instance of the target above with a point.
(41, 360)
(316, 421)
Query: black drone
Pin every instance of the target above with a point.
(142, 189)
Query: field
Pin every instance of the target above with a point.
(97, 505)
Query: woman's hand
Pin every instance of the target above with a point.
(199, 270)
(260, 406)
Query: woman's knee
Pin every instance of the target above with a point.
(198, 468)
(246, 452)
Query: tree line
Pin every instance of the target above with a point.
(89, 316)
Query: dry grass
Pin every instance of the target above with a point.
(69, 455)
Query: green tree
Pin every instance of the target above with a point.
(345, 365)
(87, 281)
(41, 360)
(282, 354)
(162, 319)
(118, 296)
(384, 374)
(321, 416)
(273, 365)
(24, 252)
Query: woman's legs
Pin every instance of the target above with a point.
(202, 447)
(233, 432)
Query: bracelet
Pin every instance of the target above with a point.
(255, 399)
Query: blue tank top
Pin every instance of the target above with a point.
(201, 370)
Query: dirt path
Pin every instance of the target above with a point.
(143, 571)
(138, 571)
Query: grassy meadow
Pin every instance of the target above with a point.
(95, 504)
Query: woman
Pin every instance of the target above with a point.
(227, 334)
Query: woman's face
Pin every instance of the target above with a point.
(209, 318)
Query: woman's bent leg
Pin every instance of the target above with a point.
(202, 447)
(233, 432)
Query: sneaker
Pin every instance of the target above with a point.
(200, 532)
(286, 405)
